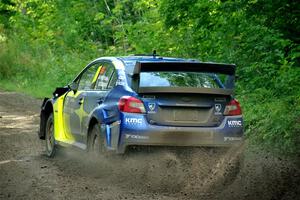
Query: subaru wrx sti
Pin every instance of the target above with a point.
(118, 102)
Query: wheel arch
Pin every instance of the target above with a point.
(91, 124)
(96, 117)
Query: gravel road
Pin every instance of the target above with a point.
(244, 172)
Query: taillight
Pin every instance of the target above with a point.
(131, 105)
(233, 108)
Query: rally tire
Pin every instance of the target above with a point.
(96, 142)
(49, 137)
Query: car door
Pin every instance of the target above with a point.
(73, 112)
(95, 96)
(92, 88)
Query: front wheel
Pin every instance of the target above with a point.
(49, 137)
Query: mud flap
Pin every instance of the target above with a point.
(41, 132)
(115, 134)
(111, 133)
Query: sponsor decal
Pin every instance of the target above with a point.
(151, 106)
(121, 80)
(218, 108)
(232, 139)
(133, 121)
(139, 137)
(235, 123)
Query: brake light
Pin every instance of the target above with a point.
(131, 105)
(233, 108)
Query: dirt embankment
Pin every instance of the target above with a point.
(200, 173)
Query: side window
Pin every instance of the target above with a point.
(87, 79)
(104, 76)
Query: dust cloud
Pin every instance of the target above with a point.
(242, 172)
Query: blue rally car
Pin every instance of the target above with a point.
(117, 102)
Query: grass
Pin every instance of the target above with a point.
(35, 91)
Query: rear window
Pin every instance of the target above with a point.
(185, 79)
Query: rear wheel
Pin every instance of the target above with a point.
(49, 137)
(96, 142)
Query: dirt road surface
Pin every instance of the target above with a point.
(244, 172)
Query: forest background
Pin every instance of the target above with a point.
(45, 43)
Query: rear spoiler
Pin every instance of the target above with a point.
(182, 66)
(185, 66)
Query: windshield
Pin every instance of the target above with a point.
(186, 79)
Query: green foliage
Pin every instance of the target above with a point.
(43, 44)
(272, 121)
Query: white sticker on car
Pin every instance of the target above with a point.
(139, 137)
(218, 108)
(232, 139)
(120, 82)
(152, 107)
(133, 121)
(235, 123)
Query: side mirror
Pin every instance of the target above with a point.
(73, 86)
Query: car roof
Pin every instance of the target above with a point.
(152, 58)
(130, 61)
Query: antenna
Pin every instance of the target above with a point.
(154, 53)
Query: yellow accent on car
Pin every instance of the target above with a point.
(96, 75)
(81, 113)
(60, 133)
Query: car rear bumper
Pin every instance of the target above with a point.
(137, 131)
